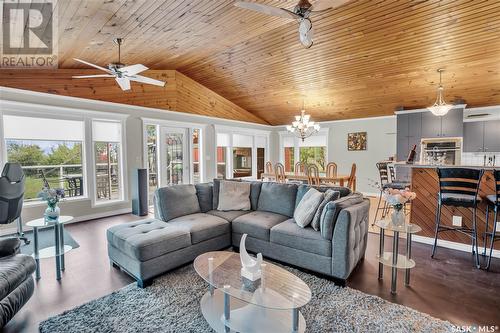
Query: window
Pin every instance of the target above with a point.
(222, 144)
(242, 155)
(106, 137)
(152, 143)
(196, 156)
(313, 151)
(50, 152)
(289, 154)
(261, 144)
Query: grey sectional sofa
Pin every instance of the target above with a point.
(187, 224)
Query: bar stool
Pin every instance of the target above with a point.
(385, 184)
(459, 187)
(492, 201)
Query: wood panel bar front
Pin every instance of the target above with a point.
(425, 184)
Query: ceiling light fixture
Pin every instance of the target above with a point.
(440, 107)
(302, 127)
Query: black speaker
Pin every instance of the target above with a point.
(140, 193)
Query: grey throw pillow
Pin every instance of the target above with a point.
(307, 207)
(329, 195)
(332, 210)
(234, 196)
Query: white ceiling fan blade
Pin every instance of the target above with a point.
(133, 69)
(123, 82)
(92, 65)
(265, 9)
(321, 5)
(148, 80)
(91, 76)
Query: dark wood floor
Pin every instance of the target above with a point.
(448, 287)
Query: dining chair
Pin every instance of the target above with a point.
(280, 173)
(300, 168)
(351, 183)
(269, 167)
(492, 201)
(313, 174)
(331, 170)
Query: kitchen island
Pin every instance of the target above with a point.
(424, 182)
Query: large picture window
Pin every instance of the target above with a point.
(50, 152)
(106, 137)
(313, 150)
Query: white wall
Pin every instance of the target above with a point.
(82, 209)
(381, 144)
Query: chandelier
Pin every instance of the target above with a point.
(302, 127)
(440, 107)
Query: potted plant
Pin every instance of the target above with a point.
(52, 197)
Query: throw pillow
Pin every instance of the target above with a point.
(234, 196)
(215, 188)
(329, 195)
(307, 207)
(332, 210)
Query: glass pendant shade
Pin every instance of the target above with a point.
(303, 127)
(440, 107)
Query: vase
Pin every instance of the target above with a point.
(52, 213)
(398, 217)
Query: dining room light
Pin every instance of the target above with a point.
(303, 127)
(440, 107)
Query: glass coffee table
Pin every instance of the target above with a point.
(235, 304)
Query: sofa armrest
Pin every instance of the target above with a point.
(9, 246)
(349, 238)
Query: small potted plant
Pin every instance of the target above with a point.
(397, 199)
(52, 197)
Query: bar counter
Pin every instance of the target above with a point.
(424, 182)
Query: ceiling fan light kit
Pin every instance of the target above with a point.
(440, 107)
(300, 12)
(121, 73)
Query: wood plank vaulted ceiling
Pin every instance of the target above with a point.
(369, 57)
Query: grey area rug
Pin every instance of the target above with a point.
(171, 304)
(45, 239)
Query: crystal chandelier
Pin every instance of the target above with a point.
(302, 127)
(440, 107)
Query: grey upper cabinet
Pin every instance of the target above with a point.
(402, 136)
(473, 137)
(452, 124)
(415, 131)
(492, 136)
(431, 125)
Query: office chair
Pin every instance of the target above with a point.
(12, 196)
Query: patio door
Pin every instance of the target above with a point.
(174, 156)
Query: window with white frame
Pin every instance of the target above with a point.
(106, 141)
(50, 152)
(289, 153)
(242, 155)
(195, 150)
(313, 150)
(222, 151)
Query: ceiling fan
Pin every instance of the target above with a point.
(122, 74)
(300, 12)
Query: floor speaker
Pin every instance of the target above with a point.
(140, 193)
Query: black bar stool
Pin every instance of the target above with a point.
(386, 182)
(492, 201)
(459, 187)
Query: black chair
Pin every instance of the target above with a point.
(459, 187)
(493, 201)
(12, 196)
(385, 183)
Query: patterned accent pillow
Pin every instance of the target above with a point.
(329, 195)
(307, 207)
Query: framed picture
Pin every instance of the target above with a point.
(356, 141)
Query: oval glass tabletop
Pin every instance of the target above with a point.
(408, 228)
(40, 223)
(276, 289)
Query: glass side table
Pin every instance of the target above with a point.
(56, 251)
(394, 259)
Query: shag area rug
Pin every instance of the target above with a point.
(171, 304)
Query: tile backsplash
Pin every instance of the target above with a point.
(477, 159)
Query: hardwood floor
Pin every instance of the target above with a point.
(448, 287)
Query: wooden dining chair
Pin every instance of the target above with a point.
(280, 173)
(331, 170)
(313, 175)
(351, 183)
(300, 168)
(269, 167)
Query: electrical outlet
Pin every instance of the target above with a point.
(457, 221)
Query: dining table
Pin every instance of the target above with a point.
(341, 180)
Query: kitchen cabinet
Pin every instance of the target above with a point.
(415, 132)
(492, 136)
(447, 126)
(473, 137)
(431, 125)
(402, 136)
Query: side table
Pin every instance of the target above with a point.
(56, 251)
(394, 259)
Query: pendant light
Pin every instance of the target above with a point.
(440, 107)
